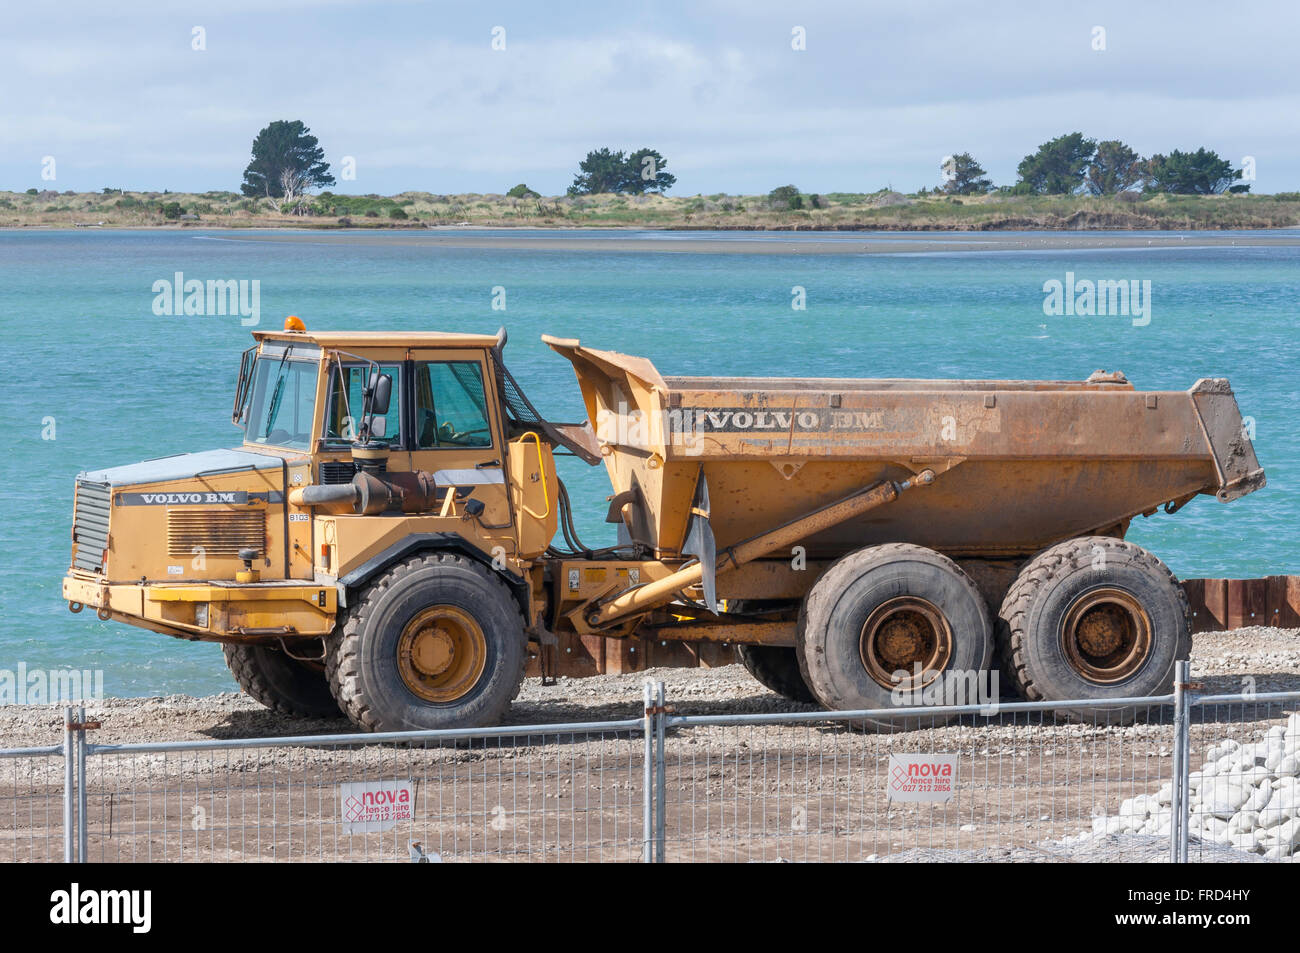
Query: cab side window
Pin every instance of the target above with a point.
(450, 405)
(345, 402)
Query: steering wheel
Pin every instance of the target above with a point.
(447, 433)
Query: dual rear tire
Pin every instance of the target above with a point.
(900, 625)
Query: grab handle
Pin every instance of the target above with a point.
(541, 468)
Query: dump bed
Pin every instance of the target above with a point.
(1019, 464)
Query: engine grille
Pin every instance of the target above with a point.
(90, 525)
(215, 533)
(337, 471)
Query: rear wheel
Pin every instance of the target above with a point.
(894, 625)
(281, 682)
(1094, 617)
(435, 642)
(777, 667)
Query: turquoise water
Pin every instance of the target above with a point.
(123, 384)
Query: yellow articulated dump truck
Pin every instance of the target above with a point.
(384, 542)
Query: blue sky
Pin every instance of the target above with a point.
(416, 94)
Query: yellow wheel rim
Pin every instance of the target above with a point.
(441, 654)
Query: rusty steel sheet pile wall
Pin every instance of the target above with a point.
(1221, 604)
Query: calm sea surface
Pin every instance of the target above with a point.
(88, 359)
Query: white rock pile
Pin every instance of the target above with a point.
(1244, 796)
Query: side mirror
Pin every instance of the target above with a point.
(381, 387)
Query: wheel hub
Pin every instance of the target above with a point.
(906, 634)
(1106, 635)
(433, 651)
(441, 653)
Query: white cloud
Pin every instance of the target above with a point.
(417, 95)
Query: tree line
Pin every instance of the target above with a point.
(288, 162)
(1073, 164)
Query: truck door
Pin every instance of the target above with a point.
(456, 435)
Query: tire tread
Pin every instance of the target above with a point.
(343, 650)
(1013, 628)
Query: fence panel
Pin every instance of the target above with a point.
(32, 805)
(1056, 781)
(1027, 785)
(538, 794)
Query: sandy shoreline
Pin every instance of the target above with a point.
(747, 243)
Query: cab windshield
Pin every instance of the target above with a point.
(281, 403)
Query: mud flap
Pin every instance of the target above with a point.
(700, 544)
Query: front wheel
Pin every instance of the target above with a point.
(281, 682)
(435, 642)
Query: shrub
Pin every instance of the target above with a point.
(785, 196)
(396, 214)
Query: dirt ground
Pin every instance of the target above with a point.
(785, 792)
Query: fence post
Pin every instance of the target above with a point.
(661, 781)
(647, 780)
(1178, 802)
(1189, 697)
(69, 786)
(83, 835)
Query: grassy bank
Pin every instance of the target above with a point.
(835, 211)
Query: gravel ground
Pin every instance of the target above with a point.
(1222, 661)
(750, 793)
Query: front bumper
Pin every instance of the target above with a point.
(210, 611)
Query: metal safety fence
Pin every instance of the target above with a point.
(1189, 776)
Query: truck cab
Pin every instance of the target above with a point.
(258, 545)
